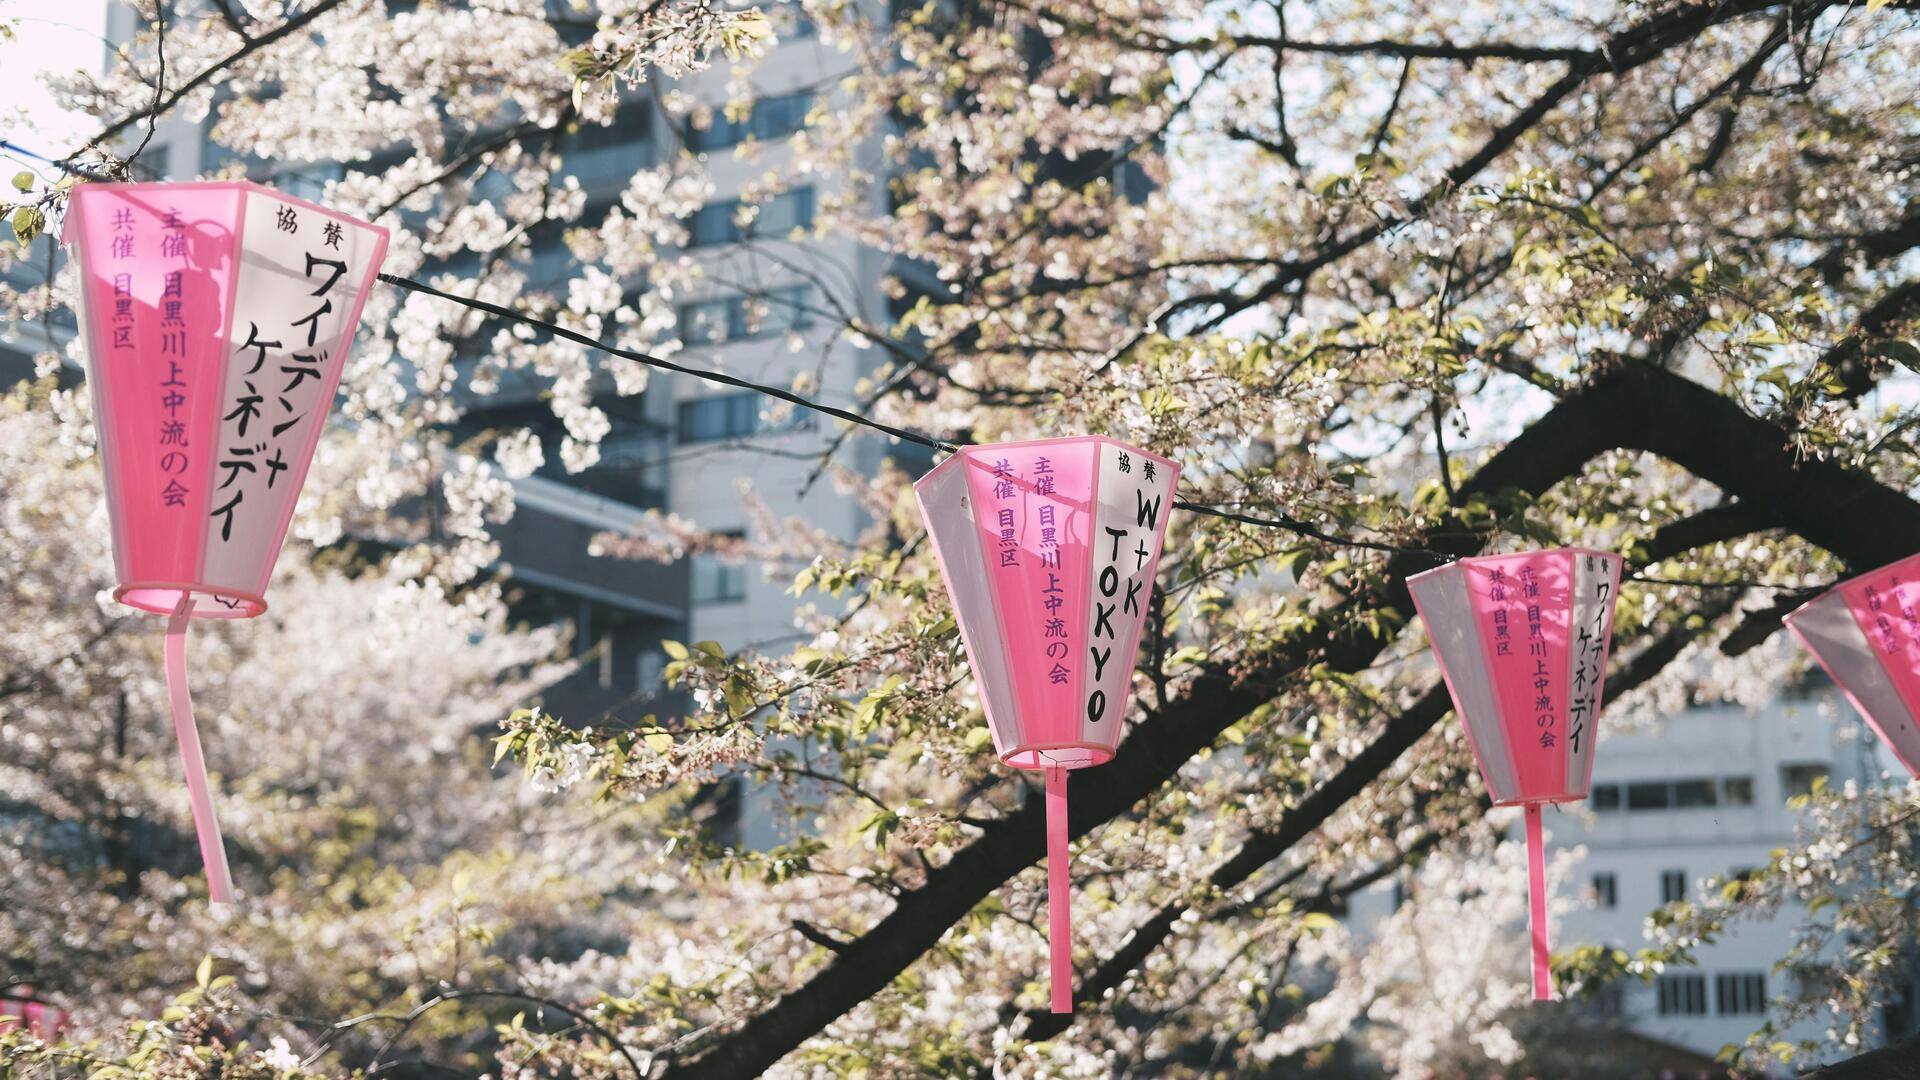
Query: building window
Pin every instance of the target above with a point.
(1737, 790)
(1800, 779)
(1649, 796)
(719, 222)
(603, 156)
(1684, 794)
(1693, 793)
(769, 118)
(1673, 886)
(1606, 889)
(732, 416)
(742, 318)
(1742, 993)
(1682, 995)
(719, 582)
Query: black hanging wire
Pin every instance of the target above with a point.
(1290, 524)
(652, 361)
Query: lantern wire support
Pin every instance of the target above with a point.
(919, 438)
(931, 442)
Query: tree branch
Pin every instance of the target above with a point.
(1900, 1061)
(160, 106)
(1635, 406)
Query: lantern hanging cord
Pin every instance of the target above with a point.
(919, 438)
(1289, 524)
(652, 361)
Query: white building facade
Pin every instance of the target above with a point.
(1705, 796)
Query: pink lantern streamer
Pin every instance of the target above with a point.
(206, 823)
(1049, 550)
(1059, 891)
(1537, 904)
(1865, 632)
(1522, 643)
(217, 319)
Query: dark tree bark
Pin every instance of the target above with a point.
(1901, 1061)
(1635, 406)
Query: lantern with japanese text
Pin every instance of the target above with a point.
(1865, 632)
(1522, 643)
(1049, 550)
(217, 319)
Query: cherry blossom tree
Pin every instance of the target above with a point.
(1395, 282)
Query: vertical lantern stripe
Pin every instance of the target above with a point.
(101, 404)
(1522, 605)
(1827, 626)
(155, 261)
(1596, 585)
(1031, 504)
(1132, 495)
(1440, 596)
(956, 546)
(301, 288)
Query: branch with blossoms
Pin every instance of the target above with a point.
(1851, 870)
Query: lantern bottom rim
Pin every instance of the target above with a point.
(1069, 755)
(210, 601)
(1542, 800)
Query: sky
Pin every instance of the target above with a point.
(49, 36)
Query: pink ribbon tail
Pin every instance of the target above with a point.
(213, 850)
(1537, 895)
(1059, 894)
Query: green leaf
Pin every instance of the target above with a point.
(203, 974)
(674, 649)
(1316, 922)
(23, 181)
(27, 223)
(978, 738)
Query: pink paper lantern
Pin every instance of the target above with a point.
(20, 1006)
(1049, 550)
(1522, 643)
(1865, 632)
(217, 319)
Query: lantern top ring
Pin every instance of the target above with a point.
(212, 601)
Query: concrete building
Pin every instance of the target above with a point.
(683, 446)
(1702, 795)
(1706, 796)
